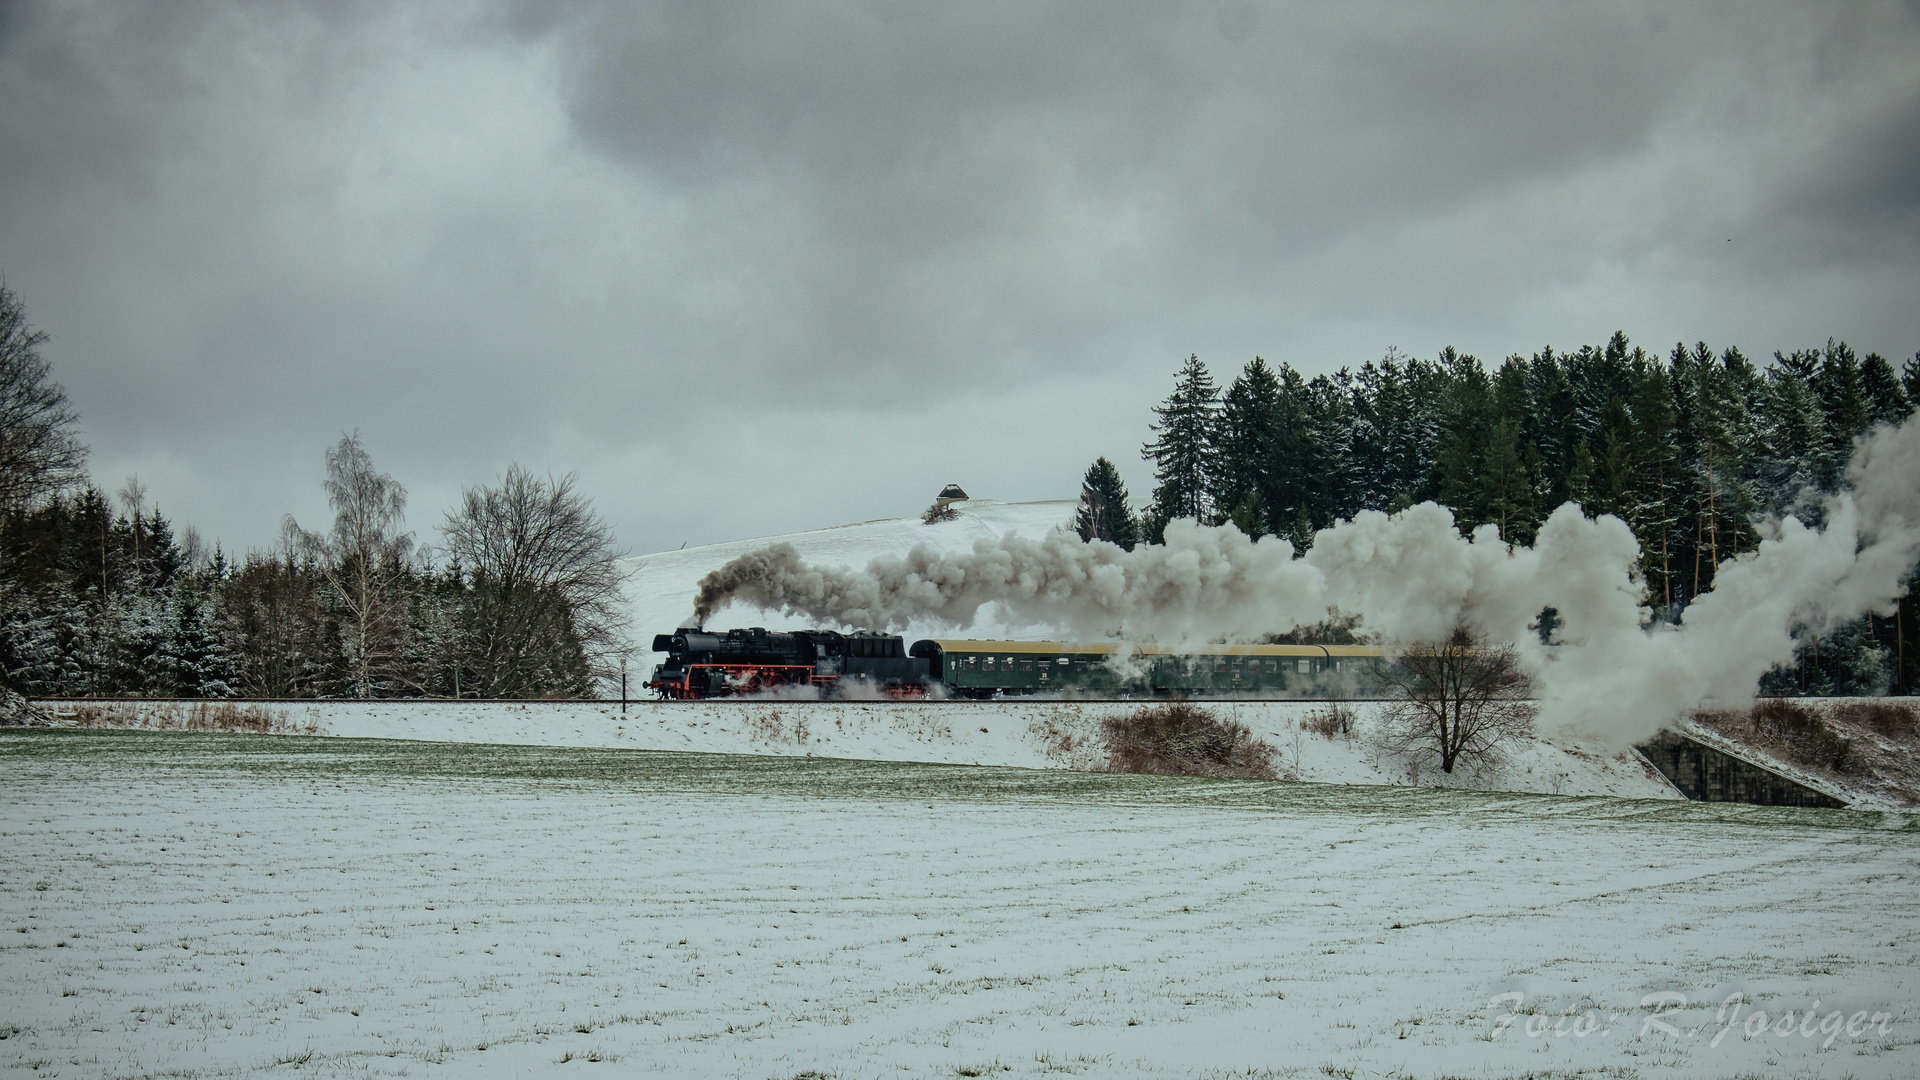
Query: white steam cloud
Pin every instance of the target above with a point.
(1410, 577)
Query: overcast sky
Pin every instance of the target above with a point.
(756, 268)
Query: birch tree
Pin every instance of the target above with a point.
(364, 561)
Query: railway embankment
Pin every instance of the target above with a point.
(1032, 733)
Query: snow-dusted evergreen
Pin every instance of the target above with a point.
(1690, 449)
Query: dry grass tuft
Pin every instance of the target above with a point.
(1334, 721)
(1182, 739)
(217, 716)
(1894, 719)
(1800, 734)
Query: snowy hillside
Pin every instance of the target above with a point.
(661, 586)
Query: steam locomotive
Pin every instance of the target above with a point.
(750, 661)
(703, 664)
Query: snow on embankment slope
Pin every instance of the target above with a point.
(1035, 734)
(660, 587)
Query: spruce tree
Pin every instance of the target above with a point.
(1844, 406)
(1505, 489)
(1615, 464)
(1103, 513)
(1655, 513)
(1887, 402)
(1465, 414)
(1327, 449)
(1793, 432)
(1185, 453)
(1249, 429)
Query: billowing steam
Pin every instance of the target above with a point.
(1409, 577)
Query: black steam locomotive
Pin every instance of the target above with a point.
(726, 663)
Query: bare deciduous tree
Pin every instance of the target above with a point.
(133, 499)
(39, 450)
(364, 561)
(544, 615)
(1459, 698)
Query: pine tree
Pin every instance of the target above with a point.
(1556, 430)
(1656, 513)
(274, 624)
(1249, 429)
(1843, 405)
(1615, 466)
(1103, 513)
(1506, 492)
(1887, 403)
(1328, 425)
(1465, 413)
(1395, 432)
(1185, 454)
(1793, 431)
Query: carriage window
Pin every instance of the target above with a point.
(989, 663)
(1219, 665)
(1306, 667)
(1064, 661)
(1026, 665)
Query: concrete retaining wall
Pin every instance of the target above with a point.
(1709, 775)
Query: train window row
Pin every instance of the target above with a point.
(1303, 665)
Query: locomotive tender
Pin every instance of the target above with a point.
(703, 664)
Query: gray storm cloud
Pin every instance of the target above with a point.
(656, 240)
(1409, 577)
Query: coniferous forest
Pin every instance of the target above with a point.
(1690, 448)
(100, 596)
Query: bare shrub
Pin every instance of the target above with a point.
(1181, 739)
(1335, 721)
(1458, 699)
(1894, 719)
(1800, 734)
(936, 513)
(770, 726)
(1069, 738)
(17, 711)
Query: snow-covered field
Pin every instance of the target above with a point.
(202, 905)
(660, 587)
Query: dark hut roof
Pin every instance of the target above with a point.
(952, 491)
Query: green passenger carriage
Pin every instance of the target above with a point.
(975, 668)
